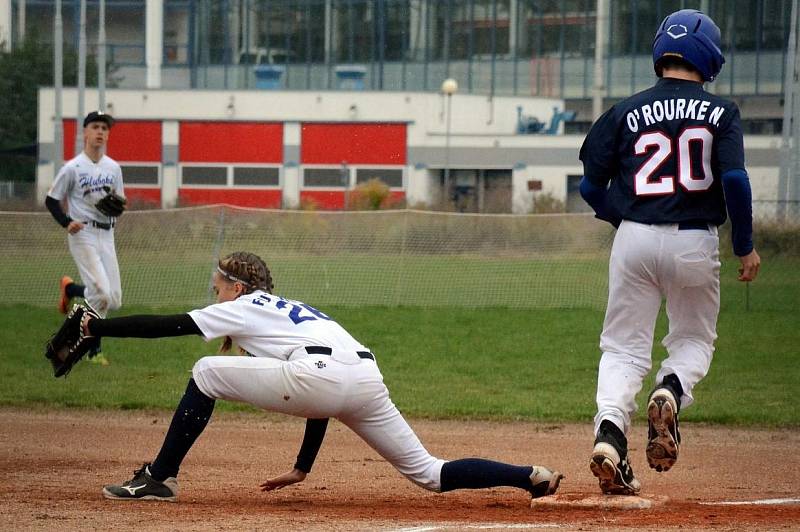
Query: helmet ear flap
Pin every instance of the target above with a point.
(713, 54)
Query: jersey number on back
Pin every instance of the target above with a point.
(648, 182)
(295, 309)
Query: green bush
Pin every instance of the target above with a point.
(770, 237)
(371, 195)
(546, 203)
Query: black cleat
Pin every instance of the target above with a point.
(663, 437)
(144, 487)
(610, 463)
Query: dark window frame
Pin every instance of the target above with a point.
(277, 177)
(341, 185)
(127, 179)
(398, 169)
(184, 167)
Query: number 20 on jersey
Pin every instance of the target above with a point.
(660, 147)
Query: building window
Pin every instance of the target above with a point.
(325, 177)
(204, 175)
(392, 177)
(140, 175)
(256, 176)
(762, 126)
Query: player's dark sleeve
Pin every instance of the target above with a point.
(599, 150)
(729, 159)
(54, 206)
(597, 198)
(738, 199)
(729, 143)
(145, 326)
(312, 441)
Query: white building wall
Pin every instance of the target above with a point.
(522, 200)
(553, 182)
(482, 134)
(290, 179)
(170, 136)
(424, 112)
(416, 185)
(5, 25)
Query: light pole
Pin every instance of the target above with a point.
(449, 87)
(81, 79)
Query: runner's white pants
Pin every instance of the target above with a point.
(93, 250)
(649, 262)
(317, 386)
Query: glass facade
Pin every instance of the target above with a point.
(504, 47)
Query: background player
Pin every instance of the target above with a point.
(301, 363)
(82, 182)
(662, 165)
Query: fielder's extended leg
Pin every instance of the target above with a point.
(157, 481)
(477, 473)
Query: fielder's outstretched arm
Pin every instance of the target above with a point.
(144, 326)
(312, 441)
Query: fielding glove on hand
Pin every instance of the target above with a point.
(111, 204)
(69, 344)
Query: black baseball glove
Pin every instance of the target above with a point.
(112, 204)
(69, 344)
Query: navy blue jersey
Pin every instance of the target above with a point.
(664, 151)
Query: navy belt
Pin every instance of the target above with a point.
(320, 350)
(684, 226)
(101, 225)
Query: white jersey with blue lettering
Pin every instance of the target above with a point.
(283, 376)
(265, 325)
(82, 182)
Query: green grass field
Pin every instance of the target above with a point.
(482, 317)
(495, 363)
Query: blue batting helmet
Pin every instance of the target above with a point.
(692, 36)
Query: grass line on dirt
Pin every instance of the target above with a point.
(499, 364)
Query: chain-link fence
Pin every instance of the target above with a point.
(386, 258)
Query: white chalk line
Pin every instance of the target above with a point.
(524, 526)
(478, 526)
(754, 503)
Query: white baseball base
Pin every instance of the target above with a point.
(617, 502)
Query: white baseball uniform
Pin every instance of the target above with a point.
(281, 376)
(648, 262)
(82, 182)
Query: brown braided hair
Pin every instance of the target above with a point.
(248, 269)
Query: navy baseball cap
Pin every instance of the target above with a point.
(98, 116)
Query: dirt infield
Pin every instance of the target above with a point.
(55, 464)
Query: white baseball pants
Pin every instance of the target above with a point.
(319, 386)
(96, 259)
(649, 262)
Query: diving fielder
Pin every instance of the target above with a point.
(302, 363)
(663, 166)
